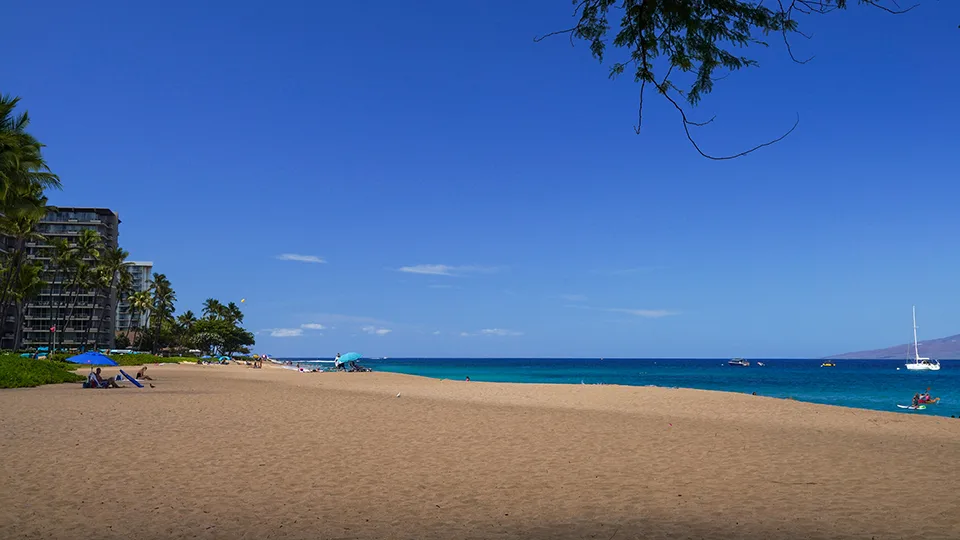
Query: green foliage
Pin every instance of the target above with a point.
(667, 38)
(24, 173)
(16, 372)
(140, 303)
(162, 307)
(218, 332)
(124, 359)
(111, 271)
(220, 335)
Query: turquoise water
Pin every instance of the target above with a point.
(867, 384)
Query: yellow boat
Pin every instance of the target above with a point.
(828, 364)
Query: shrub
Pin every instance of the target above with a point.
(16, 372)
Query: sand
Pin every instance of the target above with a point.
(234, 452)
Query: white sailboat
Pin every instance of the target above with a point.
(920, 364)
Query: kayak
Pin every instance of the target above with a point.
(913, 407)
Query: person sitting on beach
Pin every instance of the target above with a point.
(142, 374)
(96, 381)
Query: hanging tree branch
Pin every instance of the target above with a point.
(696, 37)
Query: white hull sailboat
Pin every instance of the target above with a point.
(919, 363)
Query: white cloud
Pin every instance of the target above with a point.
(647, 313)
(373, 330)
(301, 258)
(313, 326)
(500, 332)
(436, 332)
(573, 297)
(429, 269)
(492, 332)
(447, 270)
(286, 332)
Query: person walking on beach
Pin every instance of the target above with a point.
(337, 363)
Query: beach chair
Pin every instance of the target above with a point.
(91, 382)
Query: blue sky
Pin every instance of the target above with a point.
(473, 193)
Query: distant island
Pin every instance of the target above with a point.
(941, 348)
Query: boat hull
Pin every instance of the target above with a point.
(923, 367)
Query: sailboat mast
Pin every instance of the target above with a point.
(916, 348)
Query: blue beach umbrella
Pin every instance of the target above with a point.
(92, 358)
(350, 357)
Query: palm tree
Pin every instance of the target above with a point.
(20, 224)
(23, 171)
(163, 300)
(233, 314)
(124, 288)
(62, 259)
(140, 304)
(86, 252)
(185, 322)
(212, 308)
(24, 175)
(28, 285)
(109, 271)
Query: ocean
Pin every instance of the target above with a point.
(865, 384)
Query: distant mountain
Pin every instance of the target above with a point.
(942, 348)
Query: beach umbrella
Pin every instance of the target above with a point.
(350, 357)
(92, 358)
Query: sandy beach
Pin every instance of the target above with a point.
(234, 452)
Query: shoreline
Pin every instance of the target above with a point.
(944, 410)
(382, 383)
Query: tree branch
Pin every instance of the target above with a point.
(888, 10)
(696, 37)
(643, 85)
(538, 39)
(686, 129)
(786, 14)
(571, 31)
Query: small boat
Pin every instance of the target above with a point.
(738, 362)
(919, 363)
(828, 364)
(761, 364)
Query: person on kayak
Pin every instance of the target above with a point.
(916, 400)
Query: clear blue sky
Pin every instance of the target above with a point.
(376, 137)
